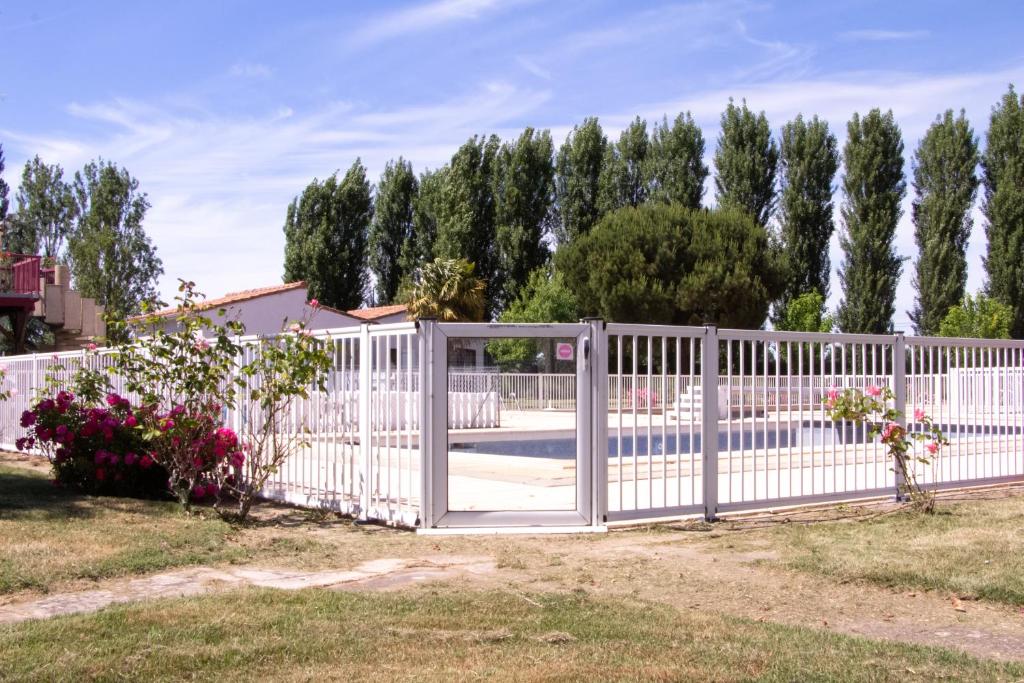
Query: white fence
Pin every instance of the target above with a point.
(660, 449)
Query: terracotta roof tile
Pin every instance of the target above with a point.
(377, 311)
(235, 297)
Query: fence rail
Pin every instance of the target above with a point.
(666, 446)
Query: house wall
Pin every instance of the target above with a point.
(269, 314)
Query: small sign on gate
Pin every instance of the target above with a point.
(564, 351)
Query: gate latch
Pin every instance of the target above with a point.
(586, 349)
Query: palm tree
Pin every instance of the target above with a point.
(448, 290)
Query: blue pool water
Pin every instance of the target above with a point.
(810, 432)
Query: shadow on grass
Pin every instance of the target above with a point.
(30, 494)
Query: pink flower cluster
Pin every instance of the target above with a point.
(833, 396)
(644, 398)
(93, 448)
(197, 449)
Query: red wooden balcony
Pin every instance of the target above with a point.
(20, 273)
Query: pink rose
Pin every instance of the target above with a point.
(890, 430)
(145, 462)
(932, 447)
(130, 421)
(314, 303)
(833, 394)
(90, 346)
(918, 414)
(873, 390)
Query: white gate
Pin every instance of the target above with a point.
(535, 468)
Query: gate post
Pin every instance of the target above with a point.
(426, 327)
(899, 389)
(709, 420)
(598, 419)
(365, 419)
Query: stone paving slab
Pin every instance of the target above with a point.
(371, 575)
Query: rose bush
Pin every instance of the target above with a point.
(872, 408)
(95, 449)
(199, 454)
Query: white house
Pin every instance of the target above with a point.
(267, 310)
(464, 353)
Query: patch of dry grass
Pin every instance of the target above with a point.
(973, 547)
(49, 536)
(452, 634)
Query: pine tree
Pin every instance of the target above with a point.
(874, 186)
(392, 229)
(326, 232)
(809, 159)
(676, 167)
(1003, 175)
(623, 180)
(944, 186)
(577, 180)
(745, 163)
(465, 212)
(524, 189)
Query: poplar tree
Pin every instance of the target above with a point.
(326, 232)
(746, 162)
(465, 212)
(111, 257)
(420, 249)
(392, 229)
(577, 180)
(524, 189)
(46, 211)
(809, 159)
(945, 184)
(4, 190)
(1003, 175)
(623, 180)
(874, 185)
(676, 167)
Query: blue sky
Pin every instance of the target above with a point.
(225, 110)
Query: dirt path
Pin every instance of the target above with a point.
(372, 575)
(678, 568)
(660, 567)
(690, 576)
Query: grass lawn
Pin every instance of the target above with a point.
(441, 634)
(971, 548)
(49, 536)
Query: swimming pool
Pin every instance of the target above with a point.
(807, 433)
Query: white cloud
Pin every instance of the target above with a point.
(534, 68)
(693, 26)
(219, 186)
(249, 70)
(420, 18)
(877, 35)
(780, 58)
(915, 101)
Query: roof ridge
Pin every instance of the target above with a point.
(231, 298)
